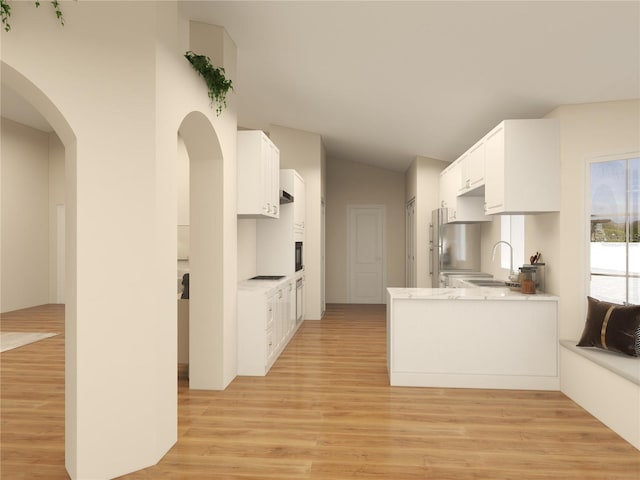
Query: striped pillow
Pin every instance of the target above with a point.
(613, 327)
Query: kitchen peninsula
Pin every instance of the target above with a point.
(472, 338)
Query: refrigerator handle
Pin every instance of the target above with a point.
(431, 249)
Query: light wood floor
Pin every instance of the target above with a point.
(325, 411)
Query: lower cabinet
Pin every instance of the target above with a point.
(265, 326)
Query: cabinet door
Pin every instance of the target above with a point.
(464, 173)
(475, 166)
(449, 183)
(280, 317)
(291, 315)
(266, 172)
(271, 350)
(494, 169)
(271, 327)
(298, 203)
(274, 173)
(258, 175)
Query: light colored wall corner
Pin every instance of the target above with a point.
(57, 189)
(489, 235)
(246, 248)
(221, 52)
(303, 152)
(427, 199)
(25, 216)
(587, 131)
(214, 41)
(353, 183)
(411, 180)
(122, 211)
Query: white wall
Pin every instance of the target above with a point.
(25, 216)
(303, 151)
(422, 182)
(587, 131)
(353, 183)
(247, 232)
(57, 182)
(490, 234)
(107, 82)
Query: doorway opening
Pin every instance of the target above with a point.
(201, 245)
(366, 253)
(33, 109)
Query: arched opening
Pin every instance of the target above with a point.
(205, 247)
(62, 249)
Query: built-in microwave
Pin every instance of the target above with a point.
(299, 264)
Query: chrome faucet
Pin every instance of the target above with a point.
(512, 274)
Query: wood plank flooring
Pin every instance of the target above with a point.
(325, 411)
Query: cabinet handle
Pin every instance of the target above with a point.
(468, 183)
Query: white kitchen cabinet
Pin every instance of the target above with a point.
(298, 209)
(276, 240)
(292, 182)
(266, 324)
(460, 209)
(472, 170)
(522, 167)
(449, 181)
(258, 162)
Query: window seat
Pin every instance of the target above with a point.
(605, 384)
(626, 367)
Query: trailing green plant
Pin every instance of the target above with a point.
(5, 12)
(217, 83)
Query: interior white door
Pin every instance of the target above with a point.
(366, 254)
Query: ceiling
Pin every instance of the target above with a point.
(383, 82)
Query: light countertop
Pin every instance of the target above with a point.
(267, 285)
(477, 293)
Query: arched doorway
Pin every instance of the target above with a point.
(205, 252)
(26, 89)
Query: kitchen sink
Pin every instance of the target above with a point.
(483, 282)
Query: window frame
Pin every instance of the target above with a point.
(623, 155)
(515, 239)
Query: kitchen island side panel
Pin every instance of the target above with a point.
(473, 343)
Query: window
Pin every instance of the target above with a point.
(614, 214)
(512, 231)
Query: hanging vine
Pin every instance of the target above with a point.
(5, 12)
(217, 83)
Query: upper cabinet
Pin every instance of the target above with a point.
(522, 167)
(292, 182)
(258, 163)
(460, 209)
(449, 182)
(472, 170)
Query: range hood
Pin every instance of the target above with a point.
(285, 197)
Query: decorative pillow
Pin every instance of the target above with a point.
(612, 327)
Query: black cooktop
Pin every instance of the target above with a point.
(267, 277)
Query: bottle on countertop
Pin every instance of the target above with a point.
(528, 280)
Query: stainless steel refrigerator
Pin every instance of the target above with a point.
(453, 247)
